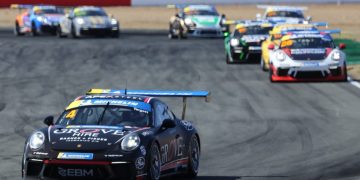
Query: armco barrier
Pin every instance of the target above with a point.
(7, 3)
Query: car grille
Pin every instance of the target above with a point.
(308, 57)
(209, 32)
(309, 75)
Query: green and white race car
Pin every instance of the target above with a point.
(197, 21)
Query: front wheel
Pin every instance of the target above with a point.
(194, 157)
(33, 30)
(17, 30)
(154, 168)
(73, 32)
(262, 64)
(345, 74)
(271, 75)
(59, 32)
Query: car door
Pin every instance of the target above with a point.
(171, 141)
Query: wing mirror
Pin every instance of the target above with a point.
(258, 16)
(49, 120)
(309, 19)
(68, 16)
(271, 46)
(342, 46)
(168, 123)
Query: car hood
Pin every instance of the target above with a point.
(308, 54)
(54, 17)
(97, 20)
(254, 38)
(87, 138)
(286, 20)
(206, 21)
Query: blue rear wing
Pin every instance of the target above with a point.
(21, 6)
(327, 31)
(156, 93)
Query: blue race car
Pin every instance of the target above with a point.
(37, 19)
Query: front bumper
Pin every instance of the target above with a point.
(97, 31)
(206, 32)
(48, 28)
(321, 73)
(242, 53)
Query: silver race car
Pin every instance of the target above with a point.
(88, 20)
(197, 21)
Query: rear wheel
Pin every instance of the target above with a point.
(194, 157)
(17, 30)
(33, 29)
(154, 163)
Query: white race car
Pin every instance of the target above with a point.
(284, 14)
(307, 57)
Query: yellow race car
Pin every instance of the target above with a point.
(275, 36)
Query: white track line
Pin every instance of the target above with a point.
(354, 83)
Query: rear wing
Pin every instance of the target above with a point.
(234, 22)
(327, 31)
(291, 8)
(156, 93)
(21, 6)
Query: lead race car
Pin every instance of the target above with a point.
(244, 43)
(88, 20)
(197, 21)
(115, 134)
(284, 14)
(37, 19)
(307, 56)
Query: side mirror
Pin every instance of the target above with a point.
(309, 18)
(49, 120)
(111, 16)
(223, 16)
(258, 16)
(342, 46)
(271, 46)
(68, 16)
(168, 123)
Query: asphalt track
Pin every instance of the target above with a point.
(251, 129)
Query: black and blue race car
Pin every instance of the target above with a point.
(115, 134)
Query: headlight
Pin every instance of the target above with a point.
(234, 42)
(280, 56)
(36, 140)
(114, 21)
(336, 56)
(188, 21)
(130, 142)
(80, 21)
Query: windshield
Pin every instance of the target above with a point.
(290, 14)
(252, 30)
(102, 115)
(81, 13)
(49, 11)
(307, 43)
(201, 13)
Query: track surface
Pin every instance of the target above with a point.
(251, 129)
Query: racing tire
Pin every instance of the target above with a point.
(194, 157)
(171, 32)
(270, 75)
(17, 30)
(228, 59)
(33, 30)
(154, 162)
(73, 32)
(345, 74)
(59, 33)
(262, 64)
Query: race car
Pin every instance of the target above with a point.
(307, 57)
(39, 19)
(115, 134)
(197, 21)
(244, 43)
(284, 14)
(88, 20)
(275, 36)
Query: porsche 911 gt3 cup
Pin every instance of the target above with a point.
(36, 20)
(197, 21)
(244, 43)
(284, 14)
(88, 20)
(115, 134)
(307, 57)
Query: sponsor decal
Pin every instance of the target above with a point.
(171, 151)
(75, 155)
(188, 126)
(113, 155)
(143, 150)
(40, 153)
(311, 64)
(147, 133)
(140, 163)
(74, 172)
(307, 51)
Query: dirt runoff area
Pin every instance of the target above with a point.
(346, 17)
